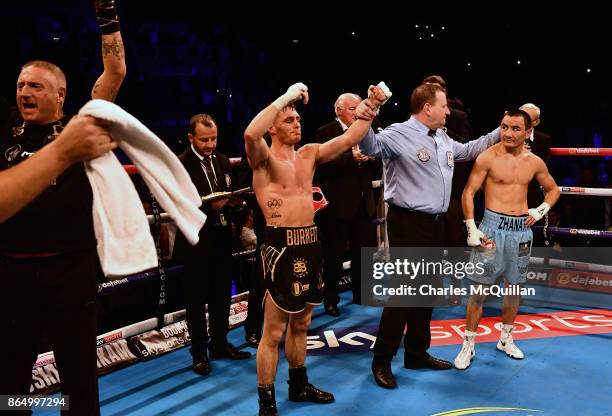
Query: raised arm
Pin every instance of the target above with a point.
(551, 191)
(113, 53)
(387, 144)
(331, 149)
(256, 148)
(82, 139)
(471, 150)
(474, 183)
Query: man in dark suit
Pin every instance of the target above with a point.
(459, 128)
(347, 185)
(207, 278)
(539, 144)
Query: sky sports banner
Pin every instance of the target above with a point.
(157, 342)
(114, 350)
(451, 332)
(45, 377)
(448, 276)
(174, 336)
(111, 356)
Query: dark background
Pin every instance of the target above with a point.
(230, 62)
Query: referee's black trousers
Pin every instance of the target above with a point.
(407, 228)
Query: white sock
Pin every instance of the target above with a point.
(506, 330)
(470, 336)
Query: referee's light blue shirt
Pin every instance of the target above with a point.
(418, 168)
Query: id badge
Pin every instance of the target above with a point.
(450, 159)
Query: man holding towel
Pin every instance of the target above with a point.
(48, 260)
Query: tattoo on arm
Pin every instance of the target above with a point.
(112, 92)
(115, 47)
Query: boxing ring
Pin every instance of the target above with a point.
(147, 372)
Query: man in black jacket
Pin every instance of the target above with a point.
(539, 144)
(347, 185)
(49, 265)
(207, 277)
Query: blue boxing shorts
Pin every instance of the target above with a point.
(510, 255)
(291, 260)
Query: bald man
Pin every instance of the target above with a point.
(346, 182)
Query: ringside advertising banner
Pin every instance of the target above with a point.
(338, 340)
(117, 349)
(111, 356)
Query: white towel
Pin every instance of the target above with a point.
(125, 245)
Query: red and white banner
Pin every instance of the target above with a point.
(544, 325)
(238, 309)
(580, 151)
(581, 280)
(585, 191)
(450, 332)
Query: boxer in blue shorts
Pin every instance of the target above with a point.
(503, 240)
(508, 249)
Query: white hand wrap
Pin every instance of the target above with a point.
(539, 212)
(385, 90)
(294, 93)
(475, 236)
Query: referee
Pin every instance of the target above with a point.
(418, 162)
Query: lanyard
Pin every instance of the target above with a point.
(212, 167)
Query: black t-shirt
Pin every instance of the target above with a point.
(60, 218)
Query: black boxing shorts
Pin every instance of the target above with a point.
(291, 259)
